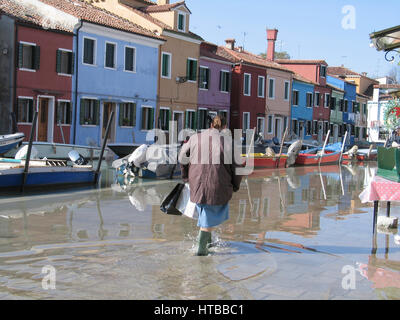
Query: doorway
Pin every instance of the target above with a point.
(301, 130)
(178, 121)
(320, 131)
(43, 118)
(335, 133)
(260, 127)
(108, 107)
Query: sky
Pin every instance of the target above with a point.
(336, 31)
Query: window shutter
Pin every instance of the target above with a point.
(72, 62)
(120, 118)
(151, 118)
(194, 70)
(30, 110)
(188, 68)
(97, 112)
(58, 61)
(36, 57)
(133, 114)
(20, 55)
(195, 120)
(186, 119)
(220, 80)
(82, 112)
(169, 118)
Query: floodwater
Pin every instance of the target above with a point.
(297, 233)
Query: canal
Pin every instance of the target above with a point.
(296, 233)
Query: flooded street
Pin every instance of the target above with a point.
(297, 233)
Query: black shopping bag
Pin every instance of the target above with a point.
(169, 204)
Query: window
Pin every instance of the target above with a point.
(295, 127)
(295, 98)
(327, 100)
(271, 88)
(164, 118)
(127, 114)
(315, 127)
(246, 120)
(191, 70)
(130, 59)
(25, 110)
(89, 51)
(181, 22)
(317, 99)
(261, 86)
(64, 112)
(110, 55)
(341, 105)
(203, 121)
(260, 126)
(147, 120)
(28, 56)
(204, 78)
(65, 62)
(247, 84)
(309, 127)
(190, 119)
(166, 65)
(346, 105)
(270, 126)
(323, 71)
(89, 112)
(287, 88)
(309, 100)
(224, 81)
(333, 103)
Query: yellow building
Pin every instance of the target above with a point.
(179, 55)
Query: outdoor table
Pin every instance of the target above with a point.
(380, 189)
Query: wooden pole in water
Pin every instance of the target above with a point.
(343, 143)
(323, 148)
(280, 150)
(28, 154)
(96, 174)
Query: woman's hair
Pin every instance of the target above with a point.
(218, 122)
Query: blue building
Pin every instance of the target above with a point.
(302, 108)
(116, 70)
(350, 100)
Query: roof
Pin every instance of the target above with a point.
(142, 13)
(387, 86)
(36, 13)
(210, 50)
(342, 79)
(334, 87)
(363, 96)
(290, 61)
(245, 56)
(299, 77)
(162, 8)
(90, 13)
(342, 71)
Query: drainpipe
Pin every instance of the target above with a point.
(76, 78)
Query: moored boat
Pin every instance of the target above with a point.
(10, 141)
(59, 151)
(328, 157)
(262, 161)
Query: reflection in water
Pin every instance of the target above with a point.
(289, 228)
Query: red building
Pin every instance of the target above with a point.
(44, 64)
(316, 71)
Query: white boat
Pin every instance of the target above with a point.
(10, 141)
(60, 151)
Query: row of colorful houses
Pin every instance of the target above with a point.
(77, 61)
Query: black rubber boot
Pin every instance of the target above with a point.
(204, 239)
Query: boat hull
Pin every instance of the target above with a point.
(46, 177)
(269, 162)
(123, 149)
(304, 159)
(10, 142)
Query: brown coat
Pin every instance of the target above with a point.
(211, 180)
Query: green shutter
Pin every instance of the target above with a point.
(36, 57)
(188, 68)
(195, 120)
(151, 119)
(186, 119)
(58, 61)
(81, 112)
(194, 70)
(20, 55)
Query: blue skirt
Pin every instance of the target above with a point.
(211, 216)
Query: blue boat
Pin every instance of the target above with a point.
(43, 173)
(10, 141)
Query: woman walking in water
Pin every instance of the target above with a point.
(208, 164)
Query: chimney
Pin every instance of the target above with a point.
(240, 49)
(271, 37)
(162, 2)
(364, 74)
(230, 44)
